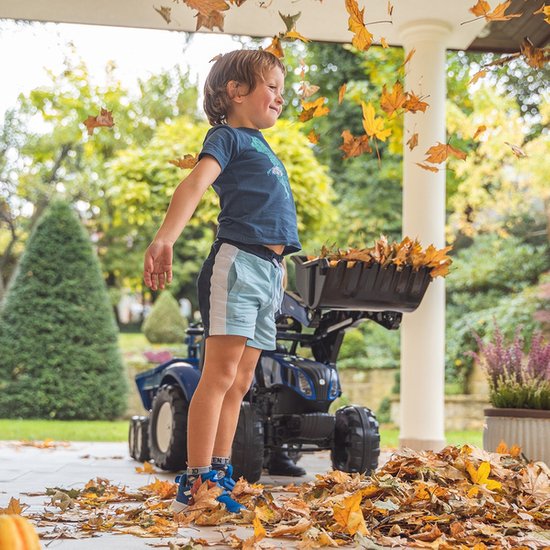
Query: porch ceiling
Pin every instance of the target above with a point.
(320, 20)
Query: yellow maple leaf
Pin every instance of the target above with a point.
(374, 127)
(349, 515)
(14, 507)
(481, 475)
(295, 35)
(362, 38)
(384, 43)
(313, 109)
(147, 468)
(275, 48)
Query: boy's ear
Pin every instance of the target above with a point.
(235, 91)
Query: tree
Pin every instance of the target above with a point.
(59, 355)
(165, 324)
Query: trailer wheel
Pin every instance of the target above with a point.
(141, 439)
(248, 446)
(132, 436)
(168, 429)
(356, 445)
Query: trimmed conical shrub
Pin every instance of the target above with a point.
(165, 324)
(59, 355)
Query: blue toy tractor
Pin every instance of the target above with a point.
(287, 406)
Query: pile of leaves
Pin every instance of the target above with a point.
(405, 253)
(458, 498)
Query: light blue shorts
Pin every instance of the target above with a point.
(240, 293)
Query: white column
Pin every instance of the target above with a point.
(423, 332)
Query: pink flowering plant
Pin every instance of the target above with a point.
(518, 378)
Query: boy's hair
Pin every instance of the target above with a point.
(245, 67)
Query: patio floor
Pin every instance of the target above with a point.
(26, 471)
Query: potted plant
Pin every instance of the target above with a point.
(519, 390)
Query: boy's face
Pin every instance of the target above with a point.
(262, 107)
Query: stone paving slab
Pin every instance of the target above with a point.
(30, 470)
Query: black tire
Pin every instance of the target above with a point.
(356, 445)
(248, 446)
(132, 436)
(168, 429)
(141, 439)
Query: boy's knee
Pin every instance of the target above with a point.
(220, 378)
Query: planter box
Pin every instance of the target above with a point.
(373, 288)
(527, 428)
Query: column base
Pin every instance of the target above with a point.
(422, 444)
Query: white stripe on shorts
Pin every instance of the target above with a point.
(218, 287)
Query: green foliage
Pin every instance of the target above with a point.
(165, 324)
(384, 411)
(532, 394)
(59, 356)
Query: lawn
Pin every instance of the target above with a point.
(77, 430)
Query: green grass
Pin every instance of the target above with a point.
(390, 438)
(76, 430)
(64, 430)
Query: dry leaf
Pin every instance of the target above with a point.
(362, 38)
(391, 102)
(477, 76)
(518, 152)
(295, 35)
(147, 468)
(427, 167)
(14, 507)
(312, 109)
(353, 147)
(412, 142)
(384, 43)
(187, 161)
(482, 9)
(480, 130)
(313, 137)
(165, 12)
(414, 103)
(104, 119)
(440, 153)
(341, 93)
(374, 127)
(275, 48)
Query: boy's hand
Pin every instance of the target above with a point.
(157, 266)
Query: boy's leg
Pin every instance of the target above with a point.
(231, 407)
(222, 357)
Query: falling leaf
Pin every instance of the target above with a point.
(544, 9)
(213, 19)
(313, 137)
(353, 147)
(412, 142)
(391, 102)
(290, 20)
(384, 43)
(477, 76)
(374, 127)
(165, 12)
(362, 38)
(306, 89)
(480, 130)
(409, 56)
(294, 35)
(482, 9)
(440, 152)
(341, 93)
(428, 167)
(535, 57)
(187, 161)
(206, 7)
(275, 48)
(104, 119)
(390, 8)
(216, 58)
(518, 152)
(312, 109)
(414, 103)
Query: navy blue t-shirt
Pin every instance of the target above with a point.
(257, 206)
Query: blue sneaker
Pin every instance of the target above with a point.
(227, 481)
(184, 498)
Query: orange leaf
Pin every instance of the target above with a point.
(105, 118)
(313, 137)
(206, 7)
(14, 507)
(413, 141)
(546, 11)
(354, 146)
(146, 469)
(535, 57)
(480, 130)
(306, 89)
(341, 93)
(482, 8)
(428, 167)
(349, 515)
(409, 56)
(477, 76)
(393, 101)
(313, 109)
(498, 13)
(213, 19)
(275, 48)
(440, 152)
(414, 103)
(187, 161)
(384, 43)
(294, 35)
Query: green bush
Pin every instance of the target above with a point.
(165, 324)
(59, 355)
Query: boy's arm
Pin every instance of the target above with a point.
(157, 266)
